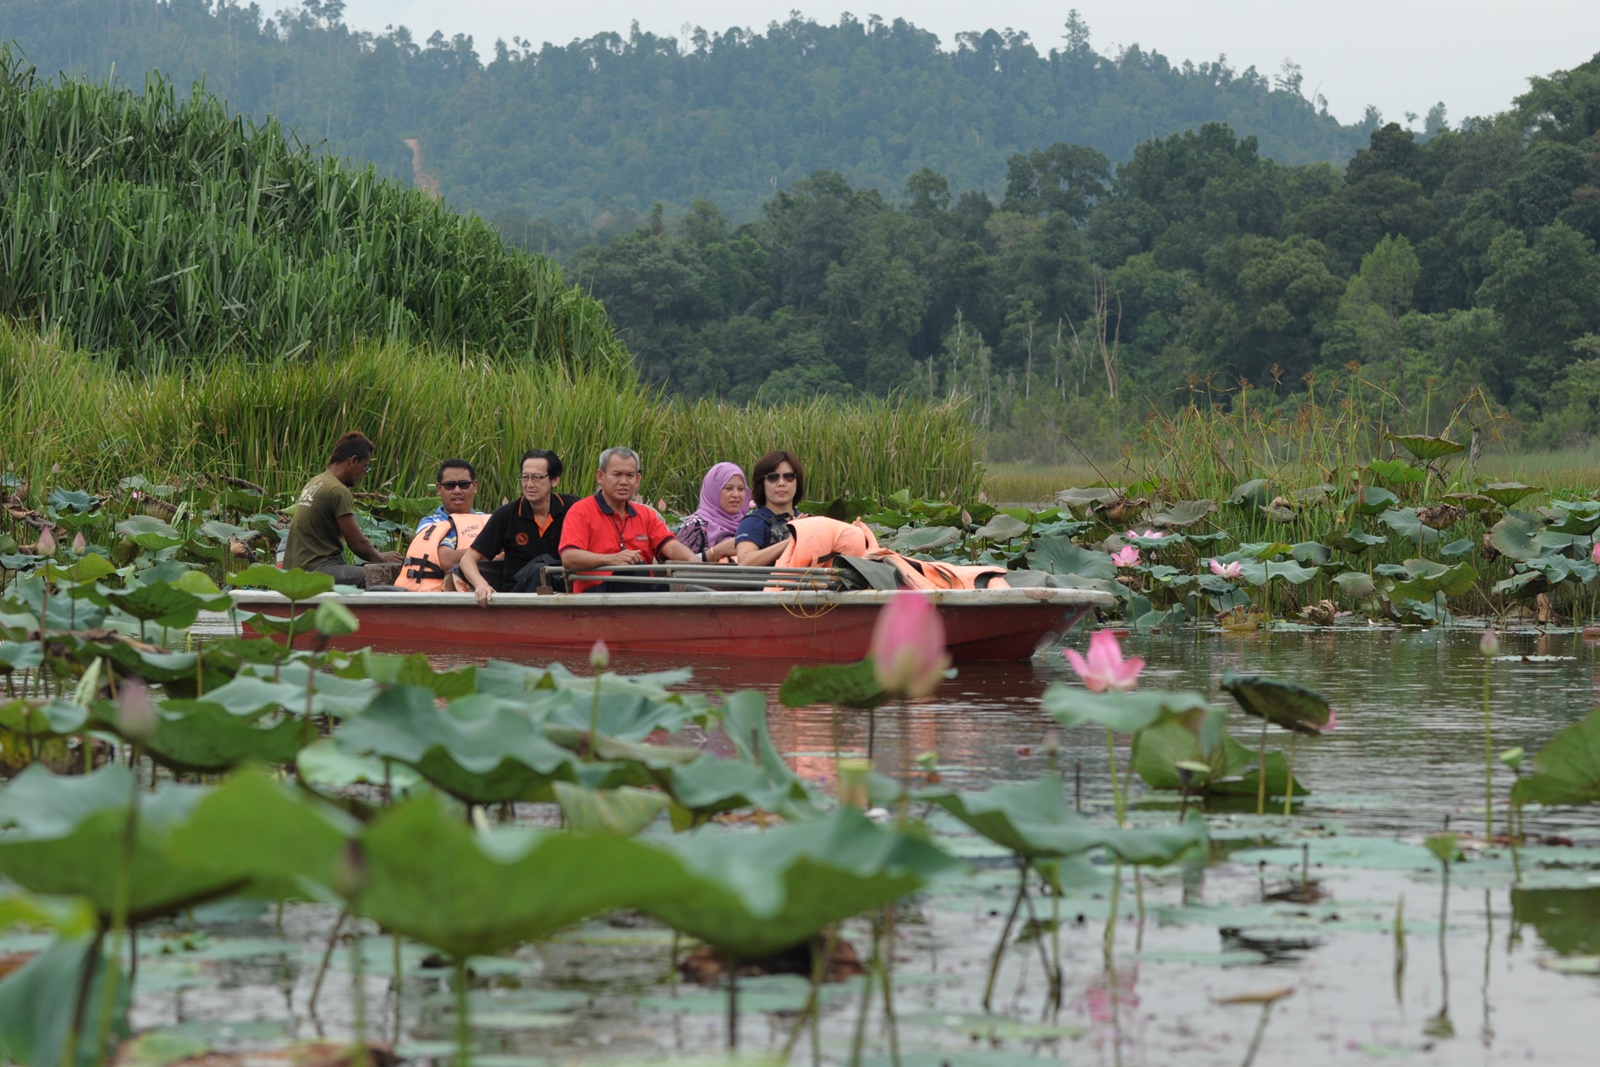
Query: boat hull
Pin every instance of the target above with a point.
(1000, 624)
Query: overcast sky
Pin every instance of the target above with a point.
(1402, 55)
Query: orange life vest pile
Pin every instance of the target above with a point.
(818, 539)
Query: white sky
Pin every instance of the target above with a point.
(1402, 55)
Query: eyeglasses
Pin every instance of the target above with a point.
(534, 478)
(466, 484)
(782, 476)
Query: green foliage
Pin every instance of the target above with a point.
(1567, 769)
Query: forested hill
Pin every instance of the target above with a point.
(564, 132)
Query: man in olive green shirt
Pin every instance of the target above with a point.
(325, 521)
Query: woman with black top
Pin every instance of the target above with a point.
(778, 484)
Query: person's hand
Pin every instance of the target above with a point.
(392, 557)
(484, 593)
(722, 550)
(628, 557)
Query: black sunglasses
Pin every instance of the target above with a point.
(781, 476)
(456, 485)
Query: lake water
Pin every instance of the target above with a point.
(1405, 760)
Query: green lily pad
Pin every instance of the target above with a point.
(38, 1000)
(295, 584)
(847, 685)
(1183, 513)
(1397, 471)
(624, 811)
(1231, 768)
(1371, 499)
(1404, 522)
(1428, 577)
(1355, 540)
(1253, 493)
(1425, 447)
(1285, 704)
(924, 539)
(1035, 821)
(1059, 556)
(1127, 713)
(1508, 493)
(1002, 527)
(1261, 573)
(1567, 769)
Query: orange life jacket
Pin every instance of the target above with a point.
(818, 538)
(931, 574)
(422, 572)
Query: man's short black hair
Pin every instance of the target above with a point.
(352, 445)
(552, 461)
(463, 464)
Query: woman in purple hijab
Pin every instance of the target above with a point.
(724, 500)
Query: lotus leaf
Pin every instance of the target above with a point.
(1558, 569)
(1473, 502)
(480, 749)
(73, 500)
(1002, 527)
(1523, 536)
(158, 602)
(294, 584)
(19, 655)
(55, 718)
(847, 685)
(1404, 522)
(624, 811)
(324, 765)
(410, 670)
(1356, 584)
(39, 999)
(1126, 713)
(501, 678)
(625, 712)
(1253, 493)
(751, 895)
(206, 738)
(1426, 577)
(1079, 499)
(1425, 447)
(1522, 586)
(1262, 573)
(1184, 513)
(1314, 494)
(844, 508)
(1231, 768)
(892, 520)
(1508, 493)
(1371, 499)
(87, 568)
(1285, 704)
(1573, 516)
(1456, 549)
(1567, 770)
(924, 538)
(63, 835)
(1263, 550)
(149, 532)
(1397, 471)
(1034, 821)
(331, 695)
(1311, 552)
(1059, 556)
(430, 877)
(221, 532)
(332, 619)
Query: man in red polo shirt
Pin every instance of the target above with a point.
(609, 530)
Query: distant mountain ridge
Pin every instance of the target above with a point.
(570, 132)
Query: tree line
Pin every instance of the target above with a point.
(1199, 269)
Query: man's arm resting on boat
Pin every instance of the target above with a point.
(469, 569)
(580, 559)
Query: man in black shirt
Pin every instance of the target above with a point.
(527, 530)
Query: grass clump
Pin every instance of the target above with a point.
(162, 233)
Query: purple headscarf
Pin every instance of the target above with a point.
(719, 524)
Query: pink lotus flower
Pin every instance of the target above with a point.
(1489, 643)
(1333, 720)
(1594, 553)
(599, 656)
(136, 715)
(1105, 669)
(1226, 570)
(1148, 535)
(908, 649)
(1126, 556)
(79, 545)
(47, 544)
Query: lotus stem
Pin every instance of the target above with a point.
(860, 1036)
(327, 956)
(808, 1011)
(1109, 940)
(1261, 1029)
(92, 960)
(399, 988)
(1052, 974)
(594, 716)
(733, 1004)
(1116, 788)
(1288, 785)
(1261, 772)
(358, 1056)
(1005, 935)
(119, 917)
(1399, 948)
(886, 978)
(1488, 759)
(463, 1024)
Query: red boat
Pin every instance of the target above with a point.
(834, 626)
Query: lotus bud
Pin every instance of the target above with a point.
(908, 649)
(1512, 757)
(599, 656)
(1489, 643)
(928, 761)
(1051, 743)
(79, 545)
(853, 790)
(47, 544)
(136, 716)
(1594, 553)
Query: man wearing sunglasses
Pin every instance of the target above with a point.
(438, 544)
(528, 531)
